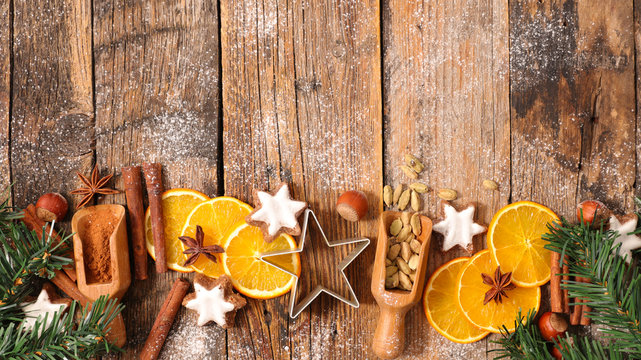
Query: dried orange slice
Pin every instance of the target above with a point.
(255, 278)
(491, 316)
(176, 206)
(441, 308)
(218, 217)
(514, 239)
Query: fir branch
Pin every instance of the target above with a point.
(25, 258)
(7, 212)
(614, 291)
(63, 338)
(525, 342)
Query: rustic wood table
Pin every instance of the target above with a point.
(327, 95)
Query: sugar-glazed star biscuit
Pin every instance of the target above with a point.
(276, 213)
(214, 300)
(458, 227)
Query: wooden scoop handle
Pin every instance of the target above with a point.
(389, 337)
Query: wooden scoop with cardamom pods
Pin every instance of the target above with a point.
(389, 337)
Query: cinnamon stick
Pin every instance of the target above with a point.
(566, 278)
(153, 179)
(577, 311)
(34, 223)
(117, 334)
(584, 320)
(69, 287)
(556, 294)
(164, 320)
(133, 191)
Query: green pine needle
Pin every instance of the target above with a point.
(613, 293)
(25, 260)
(614, 288)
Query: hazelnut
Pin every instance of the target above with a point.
(352, 205)
(51, 206)
(592, 210)
(552, 325)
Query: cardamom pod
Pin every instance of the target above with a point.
(404, 200)
(414, 163)
(405, 217)
(490, 185)
(419, 187)
(402, 266)
(395, 227)
(409, 172)
(397, 193)
(392, 254)
(447, 194)
(415, 222)
(416, 246)
(404, 281)
(413, 262)
(404, 233)
(391, 282)
(390, 270)
(406, 251)
(412, 276)
(416, 201)
(387, 195)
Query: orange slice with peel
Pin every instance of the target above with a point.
(253, 277)
(441, 308)
(514, 238)
(493, 315)
(176, 206)
(218, 217)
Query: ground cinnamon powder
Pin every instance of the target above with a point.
(95, 232)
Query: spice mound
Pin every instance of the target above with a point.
(94, 231)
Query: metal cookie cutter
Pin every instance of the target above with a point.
(296, 309)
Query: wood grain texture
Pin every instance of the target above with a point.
(573, 109)
(573, 122)
(157, 86)
(446, 101)
(5, 94)
(52, 99)
(301, 104)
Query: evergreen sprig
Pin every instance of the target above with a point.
(25, 259)
(63, 337)
(526, 342)
(614, 288)
(613, 293)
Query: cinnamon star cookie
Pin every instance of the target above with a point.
(47, 304)
(276, 213)
(458, 227)
(214, 300)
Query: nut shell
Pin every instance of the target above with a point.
(352, 205)
(552, 325)
(51, 206)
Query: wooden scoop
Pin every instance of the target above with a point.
(101, 252)
(87, 240)
(389, 337)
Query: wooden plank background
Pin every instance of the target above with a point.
(540, 96)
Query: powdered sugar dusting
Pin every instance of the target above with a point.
(186, 340)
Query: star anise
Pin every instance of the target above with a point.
(195, 247)
(499, 284)
(93, 186)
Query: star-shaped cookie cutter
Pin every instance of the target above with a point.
(296, 309)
